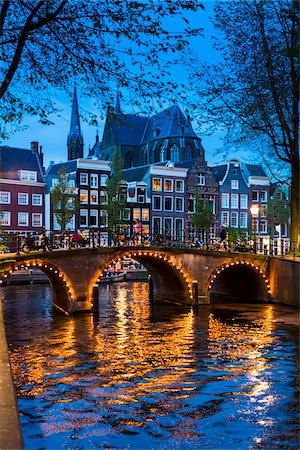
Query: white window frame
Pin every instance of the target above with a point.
(5, 197)
(5, 218)
(94, 213)
(36, 197)
(160, 197)
(83, 178)
(94, 180)
(27, 175)
(263, 226)
(243, 219)
(25, 197)
(153, 184)
(181, 186)
(37, 223)
(201, 179)
(181, 199)
(225, 218)
(168, 180)
(158, 219)
(172, 204)
(234, 184)
(103, 179)
(84, 213)
(23, 223)
(96, 194)
(244, 201)
(136, 214)
(263, 196)
(171, 221)
(257, 195)
(225, 200)
(232, 215)
(145, 214)
(234, 201)
(103, 214)
(84, 192)
(103, 194)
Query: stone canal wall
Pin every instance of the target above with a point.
(10, 428)
(285, 281)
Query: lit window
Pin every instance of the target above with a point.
(179, 204)
(4, 197)
(37, 199)
(83, 196)
(169, 185)
(234, 201)
(156, 203)
(244, 201)
(94, 180)
(234, 219)
(37, 220)
(83, 178)
(145, 214)
(23, 219)
(136, 213)
(201, 179)
(234, 184)
(156, 184)
(103, 179)
(168, 204)
(94, 197)
(243, 220)
(4, 218)
(225, 200)
(145, 229)
(179, 185)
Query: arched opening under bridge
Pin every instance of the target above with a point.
(239, 282)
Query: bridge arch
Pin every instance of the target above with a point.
(63, 291)
(170, 279)
(239, 280)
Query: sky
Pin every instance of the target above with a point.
(53, 138)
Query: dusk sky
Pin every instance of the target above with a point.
(54, 138)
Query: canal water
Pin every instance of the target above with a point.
(139, 376)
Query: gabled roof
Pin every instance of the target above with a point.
(219, 172)
(128, 129)
(256, 170)
(70, 166)
(138, 173)
(13, 159)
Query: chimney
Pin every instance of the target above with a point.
(35, 146)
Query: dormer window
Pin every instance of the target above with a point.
(201, 179)
(27, 175)
(234, 184)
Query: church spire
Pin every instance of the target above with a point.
(75, 138)
(118, 103)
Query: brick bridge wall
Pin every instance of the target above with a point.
(178, 275)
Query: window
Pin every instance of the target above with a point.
(141, 199)
(255, 196)
(225, 200)
(156, 225)
(4, 218)
(27, 175)
(234, 172)
(179, 230)
(37, 220)
(243, 220)
(191, 204)
(234, 201)
(136, 213)
(71, 183)
(125, 214)
(145, 214)
(94, 197)
(94, 218)
(103, 197)
(168, 225)
(83, 196)
(103, 218)
(37, 199)
(94, 180)
(263, 196)
(23, 198)
(212, 204)
(103, 179)
(263, 226)
(262, 210)
(168, 204)
(234, 219)
(225, 218)
(156, 183)
(145, 230)
(4, 197)
(23, 219)
(234, 184)
(83, 179)
(179, 186)
(54, 182)
(201, 179)
(169, 185)
(156, 203)
(83, 217)
(179, 204)
(244, 201)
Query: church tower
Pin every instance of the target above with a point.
(75, 138)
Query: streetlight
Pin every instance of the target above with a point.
(254, 209)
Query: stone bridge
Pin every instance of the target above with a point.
(185, 276)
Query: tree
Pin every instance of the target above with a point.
(203, 217)
(63, 199)
(277, 211)
(254, 91)
(43, 44)
(116, 195)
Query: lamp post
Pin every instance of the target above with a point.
(254, 213)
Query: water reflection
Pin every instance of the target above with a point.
(149, 376)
